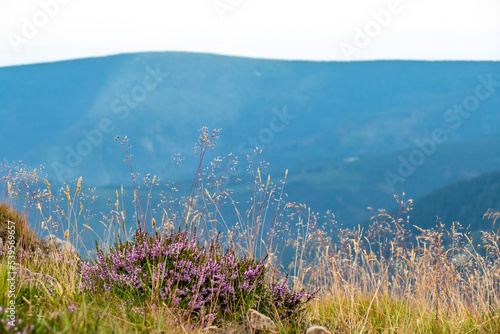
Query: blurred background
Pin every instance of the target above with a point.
(359, 102)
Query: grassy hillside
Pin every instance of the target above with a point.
(183, 276)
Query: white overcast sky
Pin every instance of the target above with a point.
(284, 29)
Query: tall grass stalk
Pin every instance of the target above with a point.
(388, 277)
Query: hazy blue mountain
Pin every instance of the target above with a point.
(342, 129)
(465, 201)
(348, 188)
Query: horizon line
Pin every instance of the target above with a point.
(104, 55)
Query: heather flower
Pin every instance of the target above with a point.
(176, 269)
(72, 308)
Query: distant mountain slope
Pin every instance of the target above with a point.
(340, 109)
(465, 201)
(338, 126)
(348, 188)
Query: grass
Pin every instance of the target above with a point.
(382, 279)
(19, 226)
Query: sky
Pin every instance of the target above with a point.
(33, 31)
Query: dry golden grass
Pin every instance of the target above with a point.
(388, 278)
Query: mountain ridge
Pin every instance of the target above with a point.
(369, 111)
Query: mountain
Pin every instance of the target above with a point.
(351, 133)
(348, 188)
(464, 201)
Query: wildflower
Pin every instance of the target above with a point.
(181, 272)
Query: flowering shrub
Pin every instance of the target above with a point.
(206, 283)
